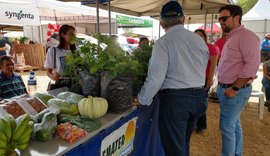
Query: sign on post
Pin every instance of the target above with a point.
(133, 22)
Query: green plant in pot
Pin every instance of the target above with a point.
(111, 62)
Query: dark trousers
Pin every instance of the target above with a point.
(266, 85)
(202, 121)
(178, 111)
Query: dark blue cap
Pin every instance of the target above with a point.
(171, 9)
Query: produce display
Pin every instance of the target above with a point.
(36, 104)
(81, 121)
(38, 117)
(19, 106)
(12, 107)
(64, 106)
(93, 107)
(70, 97)
(69, 132)
(14, 133)
(45, 129)
(43, 97)
(69, 115)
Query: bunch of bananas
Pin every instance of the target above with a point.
(15, 133)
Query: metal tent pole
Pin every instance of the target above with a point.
(97, 7)
(110, 22)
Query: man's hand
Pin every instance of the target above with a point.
(135, 102)
(55, 76)
(230, 92)
(209, 83)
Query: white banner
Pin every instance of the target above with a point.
(119, 142)
(19, 15)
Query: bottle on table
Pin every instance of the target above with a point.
(32, 83)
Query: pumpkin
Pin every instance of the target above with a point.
(93, 107)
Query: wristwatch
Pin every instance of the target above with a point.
(235, 88)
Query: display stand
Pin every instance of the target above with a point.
(146, 141)
(59, 147)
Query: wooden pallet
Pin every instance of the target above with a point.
(25, 69)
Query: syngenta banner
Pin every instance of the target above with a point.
(19, 15)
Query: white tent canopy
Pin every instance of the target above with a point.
(259, 12)
(152, 8)
(46, 9)
(55, 10)
(258, 18)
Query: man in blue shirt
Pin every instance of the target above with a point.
(177, 72)
(11, 84)
(265, 48)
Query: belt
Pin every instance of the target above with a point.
(182, 89)
(223, 85)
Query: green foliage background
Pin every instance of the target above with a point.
(246, 4)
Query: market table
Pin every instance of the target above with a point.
(146, 140)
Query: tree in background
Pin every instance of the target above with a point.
(246, 4)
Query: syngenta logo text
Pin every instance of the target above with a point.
(19, 15)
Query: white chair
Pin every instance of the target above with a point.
(260, 95)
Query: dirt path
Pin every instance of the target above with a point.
(256, 133)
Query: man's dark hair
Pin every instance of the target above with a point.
(203, 33)
(142, 39)
(5, 58)
(234, 11)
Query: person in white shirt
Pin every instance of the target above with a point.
(177, 72)
(55, 57)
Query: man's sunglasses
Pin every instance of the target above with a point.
(223, 18)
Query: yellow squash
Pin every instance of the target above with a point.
(93, 107)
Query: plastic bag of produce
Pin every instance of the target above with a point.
(90, 83)
(72, 98)
(69, 132)
(63, 106)
(44, 97)
(104, 81)
(119, 93)
(45, 130)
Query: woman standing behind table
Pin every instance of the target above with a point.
(210, 72)
(55, 57)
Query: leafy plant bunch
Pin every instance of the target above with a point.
(94, 58)
(142, 55)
